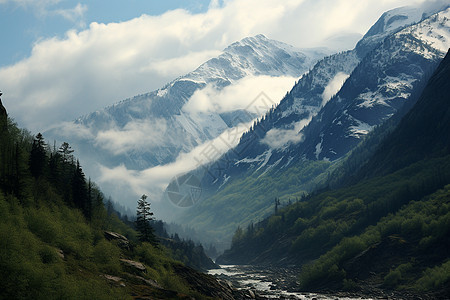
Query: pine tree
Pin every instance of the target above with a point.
(277, 204)
(38, 156)
(66, 152)
(144, 216)
(80, 191)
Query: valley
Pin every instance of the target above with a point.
(268, 172)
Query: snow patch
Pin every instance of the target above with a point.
(359, 129)
(161, 93)
(392, 88)
(435, 31)
(268, 154)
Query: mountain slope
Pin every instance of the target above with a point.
(424, 130)
(285, 141)
(387, 231)
(58, 240)
(153, 128)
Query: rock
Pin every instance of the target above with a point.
(3, 116)
(149, 282)
(204, 283)
(115, 279)
(60, 253)
(134, 265)
(122, 241)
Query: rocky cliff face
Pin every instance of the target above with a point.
(3, 115)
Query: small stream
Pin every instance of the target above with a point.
(271, 283)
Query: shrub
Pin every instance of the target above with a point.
(392, 278)
(434, 277)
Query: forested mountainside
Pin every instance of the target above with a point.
(58, 240)
(390, 229)
(288, 152)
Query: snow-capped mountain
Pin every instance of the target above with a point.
(378, 87)
(391, 21)
(153, 129)
(332, 107)
(342, 113)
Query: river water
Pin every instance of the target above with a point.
(272, 283)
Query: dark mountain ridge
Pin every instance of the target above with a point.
(295, 143)
(390, 230)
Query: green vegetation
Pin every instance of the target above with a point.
(322, 221)
(422, 228)
(221, 213)
(144, 216)
(386, 225)
(52, 228)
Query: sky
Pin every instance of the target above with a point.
(60, 59)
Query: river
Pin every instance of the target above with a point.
(268, 282)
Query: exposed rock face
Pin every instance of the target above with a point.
(3, 116)
(122, 241)
(134, 265)
(206, 284)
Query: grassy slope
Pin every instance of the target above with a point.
(51, 250)
(33, 236)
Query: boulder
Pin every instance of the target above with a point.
(114, 279)
(134, 265)
(121, 240)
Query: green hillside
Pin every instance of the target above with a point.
(251, 197)
(388, 230)
(58, 241)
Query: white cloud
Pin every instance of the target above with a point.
(154, 180)
(333, 86)
(89, 69)
(75, 14)
(135, 135)
(74, 130)
(45, 8)
(241, 95)
(280, 138)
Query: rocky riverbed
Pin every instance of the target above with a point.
(270, 283)
(258, 282)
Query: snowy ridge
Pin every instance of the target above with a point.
(256, 55)
(393, 21)
(378, 85)
(397, 65)
(434, 31)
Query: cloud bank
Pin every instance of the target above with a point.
(280, 138)
(333, 86)
(128, 184)
(243, 94)
(104, 63)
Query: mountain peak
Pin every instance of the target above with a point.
(394, 20)
(250, 40)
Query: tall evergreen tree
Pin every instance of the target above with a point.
(38, 156)
(80, 191)
(144, 216)
(66, 152)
